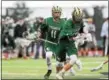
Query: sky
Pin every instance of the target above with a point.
(63, 4)
(60, 3)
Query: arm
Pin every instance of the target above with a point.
(71, 31)
(42, 28)
(66, 31)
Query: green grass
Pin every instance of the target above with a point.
(35, 69)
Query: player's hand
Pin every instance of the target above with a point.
(73, 38)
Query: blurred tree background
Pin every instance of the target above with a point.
(21, 11)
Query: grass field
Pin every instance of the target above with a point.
(35, 69)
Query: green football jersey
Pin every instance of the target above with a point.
(52, 28)
(70, 29)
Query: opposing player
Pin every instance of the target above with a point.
(67, 40)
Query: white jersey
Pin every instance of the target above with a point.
(86, 28)
(104, 31)
(92, 28)
(86, 36)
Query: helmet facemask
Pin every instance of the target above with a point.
(56, 12)
(77, 15)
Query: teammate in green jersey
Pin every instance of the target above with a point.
(67, 40)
